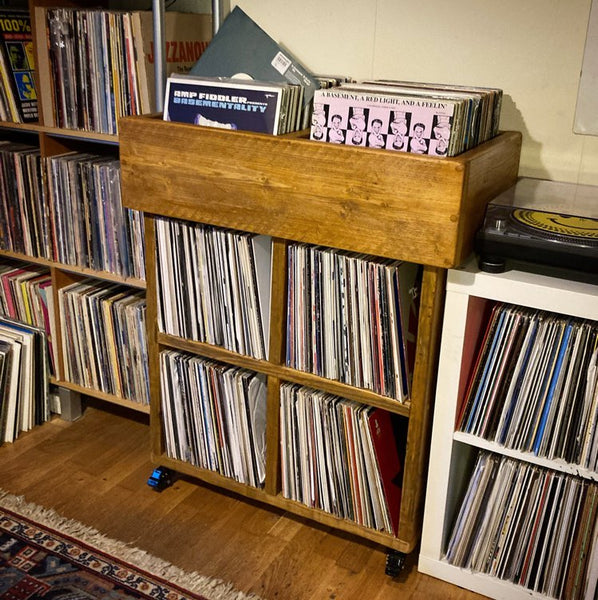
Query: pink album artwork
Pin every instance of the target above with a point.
(391, 122)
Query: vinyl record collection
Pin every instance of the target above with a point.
(26, 296)
(90, 226)
(229, 103)
(352, 318)
(341, 456)
(79, 222)
(534, 387)
(93, 59)
(404, 116)
(102, 62)
(103, 338)
(528, 525)
(24, 389)
(24, 213)
(214, 416)
(214, 285)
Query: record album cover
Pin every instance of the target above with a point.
(225, 104)
(243, 50)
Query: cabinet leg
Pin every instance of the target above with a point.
(395, 561)
(70, 404)
(161, 478)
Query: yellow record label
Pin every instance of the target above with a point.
(558, 224)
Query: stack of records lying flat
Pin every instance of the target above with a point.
(24, 384)
(433, 119)
(226, 103)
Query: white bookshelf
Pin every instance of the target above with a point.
(452, 453)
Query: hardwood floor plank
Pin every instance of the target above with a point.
(95, 470)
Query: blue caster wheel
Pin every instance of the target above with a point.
(160, 479)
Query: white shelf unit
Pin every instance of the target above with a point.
(452, 453)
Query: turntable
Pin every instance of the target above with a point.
(539, 221)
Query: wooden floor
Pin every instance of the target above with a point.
(95, 471)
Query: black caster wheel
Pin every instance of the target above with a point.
(395, 561)
(160, 479)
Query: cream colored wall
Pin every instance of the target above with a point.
(532, 49)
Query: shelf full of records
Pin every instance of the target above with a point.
(23, 216)
(214, 416)
(62, 219)
(352, 318)
(214, 287)
(528, 526)
(90, 228)
(218, 201)
(77, 219)
(511, 507)
(97, 65)
(534, 387)
(342, 457)
(26, 295)
(104, 346)
(403, 116)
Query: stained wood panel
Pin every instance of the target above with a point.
(396, 205)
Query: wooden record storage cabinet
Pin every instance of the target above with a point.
(392, 205)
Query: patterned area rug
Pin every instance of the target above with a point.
(44, 556)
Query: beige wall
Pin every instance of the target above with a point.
(532, 49)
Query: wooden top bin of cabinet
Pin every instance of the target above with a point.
(398, 205)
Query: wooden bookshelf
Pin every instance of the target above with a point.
(53, 141)
(63, 275)
(402, 206)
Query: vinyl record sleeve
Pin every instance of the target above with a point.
(242, 49)
(225, 104)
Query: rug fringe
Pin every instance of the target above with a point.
(212, 589)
